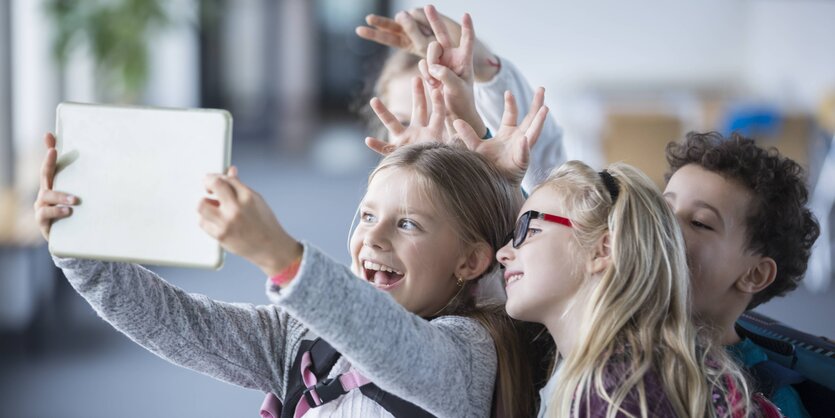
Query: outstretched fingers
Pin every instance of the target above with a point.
(467, 37)
(436, 120)
(467, 134)
(386, 117)
(419, 110)
(438, 26)
(411, 28)
(536, 104)
(522, 153)
(511, 112)
(535, 128)
(378, 146)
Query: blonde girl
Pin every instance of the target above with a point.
(598, 258)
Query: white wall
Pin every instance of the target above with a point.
(764, 45)
(791, 50)
(35, 90)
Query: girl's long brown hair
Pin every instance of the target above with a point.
(483, 206)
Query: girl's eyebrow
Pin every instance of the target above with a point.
(410, 212)
(413, 212)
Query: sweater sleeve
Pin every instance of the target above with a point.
(548, 153)
(446, 366)
(246, 345)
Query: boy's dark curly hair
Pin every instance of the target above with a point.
(779, 224)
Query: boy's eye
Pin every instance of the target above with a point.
(367, 217)
(533, 231)
(700, 225)
(407, 224)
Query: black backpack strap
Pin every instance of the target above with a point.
(396, 406)
(770, 376)
(323, 357)
(780, 347)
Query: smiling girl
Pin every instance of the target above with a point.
(598, 258)
(403, 317)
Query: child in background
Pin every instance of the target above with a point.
(403, 317)
(599, 259)
(410, 33)
(454, 66)
(749, 234)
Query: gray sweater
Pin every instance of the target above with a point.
(446, 366)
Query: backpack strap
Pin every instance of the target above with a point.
(308, 386)
(321, 359)
(770, 376)
(394, 405)
(780, 347)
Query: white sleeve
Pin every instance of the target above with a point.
(548, 152)
(819, 273)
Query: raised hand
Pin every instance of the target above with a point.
(458, 57)
(51, 205)
(243, 224)
(510, 148)
(423, 126)
(408, 31)
(413, 31)
(451, 67)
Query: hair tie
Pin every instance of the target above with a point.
(611, 184)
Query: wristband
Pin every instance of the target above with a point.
(288, 274)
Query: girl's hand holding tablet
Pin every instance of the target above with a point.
(243, 223)
(51, 205)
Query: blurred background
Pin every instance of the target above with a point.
(622, 79)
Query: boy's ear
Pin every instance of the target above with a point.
(475, 262)
(760, 276)
(602, 256)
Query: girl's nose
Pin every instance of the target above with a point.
(506, 254)
(376, 237)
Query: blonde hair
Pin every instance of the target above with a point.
(482, 205)
(398, 63)
(637, 317)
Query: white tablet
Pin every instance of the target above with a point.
(138, 172)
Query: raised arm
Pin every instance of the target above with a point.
(549, 152)
(240, 344)
(415, 359)
(246, 345)
(398, 350)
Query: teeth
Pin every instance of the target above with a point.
(368, 265)
(514, 278)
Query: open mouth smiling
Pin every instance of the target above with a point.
(380, 275)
